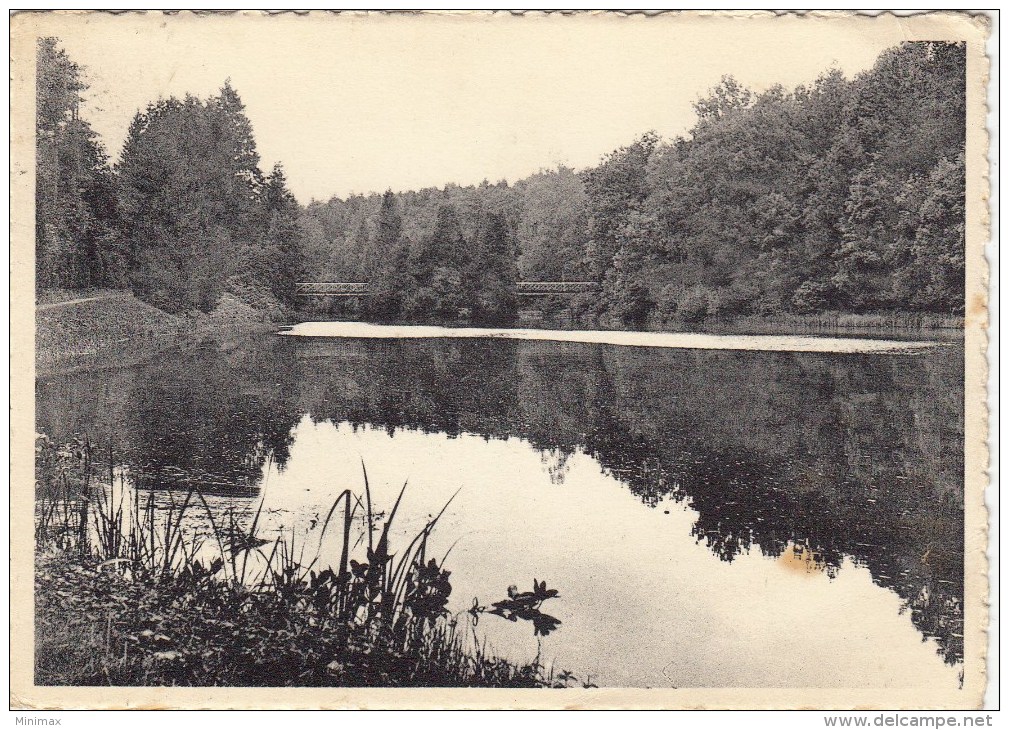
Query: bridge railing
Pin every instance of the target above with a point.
(330, 288)
(537, 288)
(360, 288)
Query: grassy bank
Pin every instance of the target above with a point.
(836, 323)
(882, 322)
(127, 595)
(92, 329)
(107, 328)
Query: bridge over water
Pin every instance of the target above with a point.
(329, 289)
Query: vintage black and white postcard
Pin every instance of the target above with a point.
(498, 360)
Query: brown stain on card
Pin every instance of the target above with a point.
(977, 309)
(801, 560)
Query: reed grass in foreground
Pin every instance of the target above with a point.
(126, 595)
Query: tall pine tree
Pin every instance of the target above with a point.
(390, 283)
(283, 240)
(492, 273)
(76, 217)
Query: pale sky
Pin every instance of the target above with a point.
(353, 104)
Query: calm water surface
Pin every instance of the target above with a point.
(711, 518)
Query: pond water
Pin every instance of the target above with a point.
(711, 517)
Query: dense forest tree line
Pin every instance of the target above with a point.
(184, 216)
(845, 195)
(76, 239)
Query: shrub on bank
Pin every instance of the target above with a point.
(97, 627)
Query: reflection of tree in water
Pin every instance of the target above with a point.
(556, 463)
(840, 456)
(441, 387)
(217, 417)
(847, 456)
(208, 418)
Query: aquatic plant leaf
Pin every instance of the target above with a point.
(544, 623)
